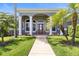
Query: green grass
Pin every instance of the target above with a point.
(21, 46)
(6, 38)
(62, 49)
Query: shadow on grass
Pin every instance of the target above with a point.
(15, 41)
(27, 38)
(60, 41)
(69, 43)
(54, 42)
(5, 49)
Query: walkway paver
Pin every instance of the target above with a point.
(41, 47)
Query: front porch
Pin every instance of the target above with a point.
(33, 22)
(35, 25)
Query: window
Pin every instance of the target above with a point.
(34, 27)
(27, 20)
(53, 29)
(27, 27)
(34, 21)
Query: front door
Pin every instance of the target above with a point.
(40, 29)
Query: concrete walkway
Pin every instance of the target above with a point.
(41, 47)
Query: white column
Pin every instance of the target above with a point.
(31, 25)
(20, 25)
(50, 31)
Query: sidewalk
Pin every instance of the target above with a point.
(41, 47)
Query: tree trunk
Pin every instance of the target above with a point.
(15, 20)
(73, 37)
(64, 33)
(74, 24)
(2, 38)
(15, 33)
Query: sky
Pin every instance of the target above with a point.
(8, 7)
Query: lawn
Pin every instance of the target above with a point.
(7, 38)
(62, 48)
(20, 46)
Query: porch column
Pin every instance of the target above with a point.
(50, 31)
(31, 25)
(20, 25)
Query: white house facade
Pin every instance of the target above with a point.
(34, 21)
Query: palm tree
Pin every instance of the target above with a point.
(59, 19)
(15, 20)
(73, 7)
(6, 22)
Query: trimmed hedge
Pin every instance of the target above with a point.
(70, 31)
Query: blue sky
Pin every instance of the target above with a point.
(8, 7)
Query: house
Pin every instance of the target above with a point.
(34, 21)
